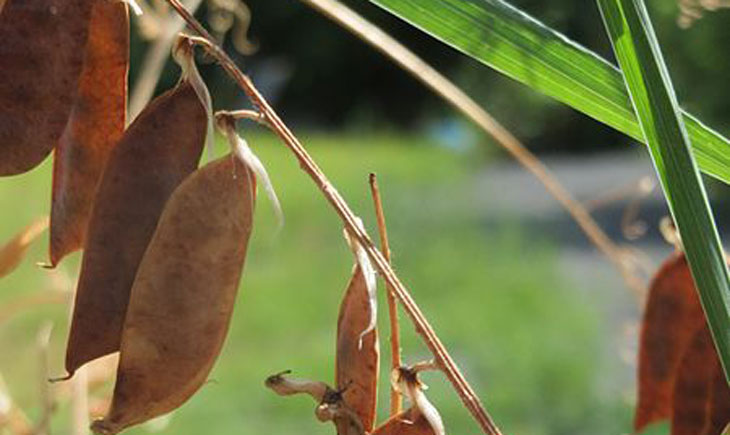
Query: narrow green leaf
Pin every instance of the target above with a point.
(650, 87)
(517, 45)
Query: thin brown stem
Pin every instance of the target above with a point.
(154, 60)
(406, 59)
(396, 401)
(308, 165)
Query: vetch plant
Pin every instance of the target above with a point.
(165, 241)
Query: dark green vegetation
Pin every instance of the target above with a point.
(528, 341)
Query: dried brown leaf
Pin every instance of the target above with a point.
(671, 316)
(95, 125)
(357, 360)
(183, 296)
(41, 54)
(160, 148)
(13, 252)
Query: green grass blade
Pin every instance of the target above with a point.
(517, 45)
(650, 87)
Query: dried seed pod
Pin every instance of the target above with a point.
(405, 380)
(42, 54)
(12, 253)
(183, 295)
(719, 414)
(161, 147)
(345, 419)
(693, 387)
(409, 422)
(671, 316)
(358, 359)
(95, 125)
(283, 385)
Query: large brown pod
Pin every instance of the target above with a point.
(41, 56)
(672, 314)
(156, 153)
(693, 388)
(183, 296)
(357, 360)
(95, 125)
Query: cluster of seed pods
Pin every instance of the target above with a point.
(352, 405)
(164, 241)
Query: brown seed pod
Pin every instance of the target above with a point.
(160, 148)
(42, 54)
(693, 387)
(183, 296)
(719, 414)
(405, 380)
(409, 422)
(671, 316)
(96, 124)
(12, 253)
(358, 359)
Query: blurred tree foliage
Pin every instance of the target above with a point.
(320, 76)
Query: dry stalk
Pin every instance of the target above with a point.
(48, 400)
(155, 59)
(396, 401)
(308, 165)
(410, 62)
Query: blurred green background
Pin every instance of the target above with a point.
(541, 348)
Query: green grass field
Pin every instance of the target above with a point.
(525, 339)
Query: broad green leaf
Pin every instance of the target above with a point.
(650, 87)
(517, 45)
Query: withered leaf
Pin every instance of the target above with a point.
(12, 253)
(671, 316)
(95, 125)
(357, 362)
(160, 148)
(184, 294)
(42, 53)
(409, 422)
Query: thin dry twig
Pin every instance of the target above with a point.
(155, 59)
(396, 401)
(423, 327)
(410, 62)
(48, 401)
(12, 418)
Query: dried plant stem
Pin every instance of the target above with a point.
(423, 328)
(396, 401)
(406, 59)
(48, 401)
(155, 59)
(12, 418)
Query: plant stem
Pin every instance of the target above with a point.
(442, 86)
(154, 60)
(396, 401)
(308, 165)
